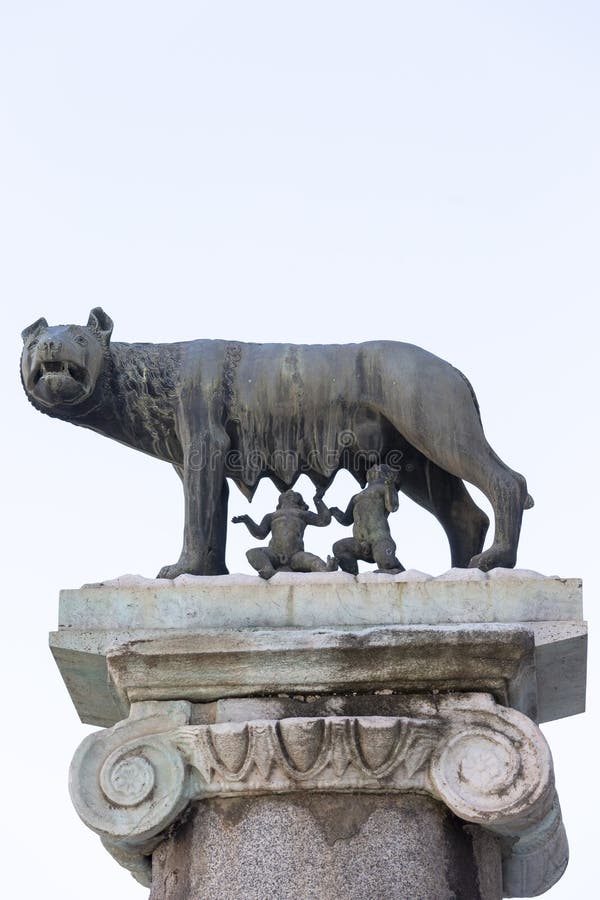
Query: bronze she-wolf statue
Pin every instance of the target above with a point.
(220, 409)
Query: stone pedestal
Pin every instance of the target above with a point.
(310, 738)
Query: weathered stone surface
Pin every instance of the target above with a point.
(325, 847)
(310, 600)
(488, 765)
(191, 612)
(560, 665)
(206, 665)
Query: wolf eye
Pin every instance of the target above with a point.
(81, 339)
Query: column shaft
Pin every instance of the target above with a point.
(326, 847)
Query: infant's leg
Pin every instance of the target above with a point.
(263, 561)
(308, 562)
(347, 552)
(384, 554)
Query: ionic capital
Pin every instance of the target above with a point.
(489, 764)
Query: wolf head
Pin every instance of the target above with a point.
(61, 364)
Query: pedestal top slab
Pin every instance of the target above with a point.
(321, 598)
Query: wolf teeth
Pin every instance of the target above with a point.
(54, 366)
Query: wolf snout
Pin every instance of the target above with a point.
(51, 347)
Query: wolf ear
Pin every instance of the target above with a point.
(101, 324)
(33, 330)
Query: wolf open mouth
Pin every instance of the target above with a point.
(60, 366)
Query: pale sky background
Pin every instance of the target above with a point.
(315, 172)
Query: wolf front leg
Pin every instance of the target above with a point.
(206, 494)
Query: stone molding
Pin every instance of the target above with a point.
(490, 765)
(206, 666)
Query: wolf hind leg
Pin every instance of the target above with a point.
(446, 497)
